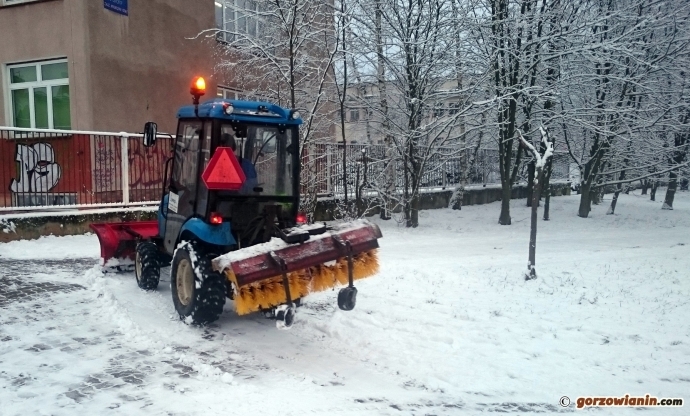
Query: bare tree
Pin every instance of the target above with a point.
(541, 159)
(283, 51)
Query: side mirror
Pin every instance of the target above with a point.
(150, 131)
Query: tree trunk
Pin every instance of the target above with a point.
(612, 208)
(358, 195)
(504, 218)
(597, 195)
(547, 201)
(387, 206)
(671, 190)
(414, 211)
(546, 184)
(532, 262)
(530, 183)
(585, 200)
(645, 186)
(652, 195)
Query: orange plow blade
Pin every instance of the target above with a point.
(316, 265)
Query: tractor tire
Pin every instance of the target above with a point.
(197, 290)
(147, 266)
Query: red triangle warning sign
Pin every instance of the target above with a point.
(223, 171)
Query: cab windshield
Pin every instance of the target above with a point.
(266, 156)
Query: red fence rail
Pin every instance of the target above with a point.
(42, 169)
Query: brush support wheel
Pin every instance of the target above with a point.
(347, 298)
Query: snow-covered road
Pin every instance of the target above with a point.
(448, 327)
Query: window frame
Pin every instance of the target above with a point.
(230, 8)
(31, 86)
(228, 93)
(15, 2)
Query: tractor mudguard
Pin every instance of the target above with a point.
(162, 214)
(219, 235)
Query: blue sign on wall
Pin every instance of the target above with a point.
(118, 6)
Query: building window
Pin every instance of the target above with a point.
(228, 93)
(438, 110)
(8, 2)
(39, 95)
(354, 115)
(238, 16)
(235, 94)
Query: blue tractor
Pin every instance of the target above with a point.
(228, 222)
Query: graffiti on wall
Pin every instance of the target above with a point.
(37, 170)
(106, 157)
(145, 164)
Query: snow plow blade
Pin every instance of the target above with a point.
(119, 240)
(318, 264)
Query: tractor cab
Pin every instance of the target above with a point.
(234, 174)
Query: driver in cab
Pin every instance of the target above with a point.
(228, 140)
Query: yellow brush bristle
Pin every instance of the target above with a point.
(274, 293)
(244, 302)
(322, 278)
(260, 296)
(340, 271)
(270, 292)
(366, 264)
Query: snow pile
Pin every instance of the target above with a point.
(7, 226)
(52, 247)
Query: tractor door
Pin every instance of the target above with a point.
(184, 182)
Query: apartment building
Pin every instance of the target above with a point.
(363, 118)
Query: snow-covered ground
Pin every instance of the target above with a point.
(448, 326)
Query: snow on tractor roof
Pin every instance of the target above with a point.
(249, 111)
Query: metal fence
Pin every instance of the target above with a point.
(62, 169)
(41, 169)
(444, 168)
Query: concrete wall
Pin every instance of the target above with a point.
(325, 209)
(35, 227)
(142, 65)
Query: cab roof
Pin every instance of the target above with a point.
(248, 111)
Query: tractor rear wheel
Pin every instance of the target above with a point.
(146, 265)
(197, 290)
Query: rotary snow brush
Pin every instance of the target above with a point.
(268, 275)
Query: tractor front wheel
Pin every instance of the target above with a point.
(197, 290)
(146, 265)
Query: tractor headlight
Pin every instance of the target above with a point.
(228, 108)
(295, 115)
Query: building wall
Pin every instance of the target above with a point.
(123, 70)
(142, 64)
(45, 30)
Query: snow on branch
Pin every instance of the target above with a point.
(540, 160)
